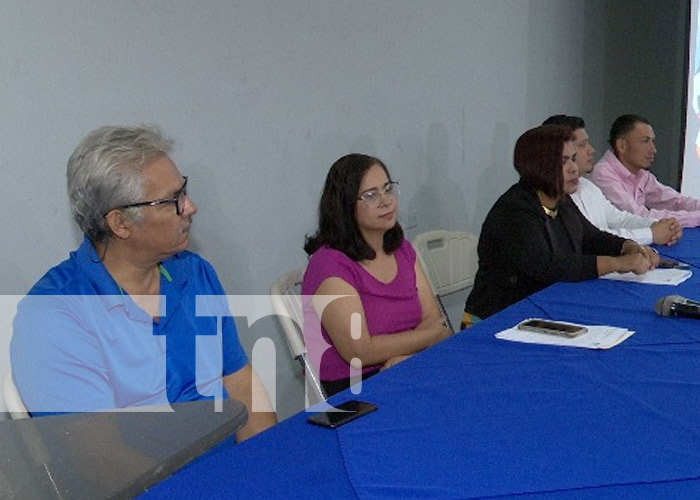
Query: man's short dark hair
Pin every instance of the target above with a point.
(623, 126)
(573, 122)
(537, 158)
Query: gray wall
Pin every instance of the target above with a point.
(262, 96)
(644, 73)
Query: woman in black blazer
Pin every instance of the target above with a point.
(535, 235)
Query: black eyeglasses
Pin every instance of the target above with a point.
(178, 200)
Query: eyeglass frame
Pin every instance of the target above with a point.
(395, 188)
(182, 192)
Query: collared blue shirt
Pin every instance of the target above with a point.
(81, 344)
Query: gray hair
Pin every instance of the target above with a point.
(104, 172)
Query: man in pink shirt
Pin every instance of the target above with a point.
(623, 175)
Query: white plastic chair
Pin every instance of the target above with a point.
(450, 261)
(286, 301)
(13, 401)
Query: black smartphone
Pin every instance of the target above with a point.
(552, 328)
(671, 264)
(351, 410)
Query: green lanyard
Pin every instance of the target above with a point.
(165, 273)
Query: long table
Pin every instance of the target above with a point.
(477, 417)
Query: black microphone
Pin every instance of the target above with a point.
(675, 305)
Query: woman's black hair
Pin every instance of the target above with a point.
(337, 223)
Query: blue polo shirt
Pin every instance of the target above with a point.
(82, 344)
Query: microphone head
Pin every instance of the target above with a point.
(664, 304)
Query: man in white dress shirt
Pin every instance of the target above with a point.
(597, 208)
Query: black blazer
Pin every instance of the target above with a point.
(516, 257)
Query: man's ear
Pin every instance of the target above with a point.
(621, 145)
(119, 226)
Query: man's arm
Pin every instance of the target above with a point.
(665, 197)
(245, 386)
(657, 195)
(643, 230)
(642, 235)
(605, 216)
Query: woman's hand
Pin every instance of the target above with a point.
(438, 330)
(337, 319)
(436, 327)
(638, 263)
(651, 254)
(394, 361)
(635, 258)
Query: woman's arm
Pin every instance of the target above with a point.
(429, 308)
(372, 350)
(431, 314)
(635, 258)
(521, 240)
(615, 254)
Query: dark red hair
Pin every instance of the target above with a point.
(537, 158)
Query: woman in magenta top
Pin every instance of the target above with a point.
(388, 311)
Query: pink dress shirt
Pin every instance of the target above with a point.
(641, 193)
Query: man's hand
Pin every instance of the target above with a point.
(666, 231)
(245, 386)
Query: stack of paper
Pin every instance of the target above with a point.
(654, 277)
(597, 337)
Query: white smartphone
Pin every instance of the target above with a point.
(552, 328)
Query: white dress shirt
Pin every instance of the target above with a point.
(593, 204)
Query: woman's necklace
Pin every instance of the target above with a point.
(548, 211)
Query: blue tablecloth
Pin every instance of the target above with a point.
(479, 417)
(686, 250)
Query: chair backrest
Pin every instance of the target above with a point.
(286, 302)
(449, 258)
(13, 401)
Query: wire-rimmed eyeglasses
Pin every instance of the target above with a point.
(372, 197)
(178, 199)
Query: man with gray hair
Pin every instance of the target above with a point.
(114, 326)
